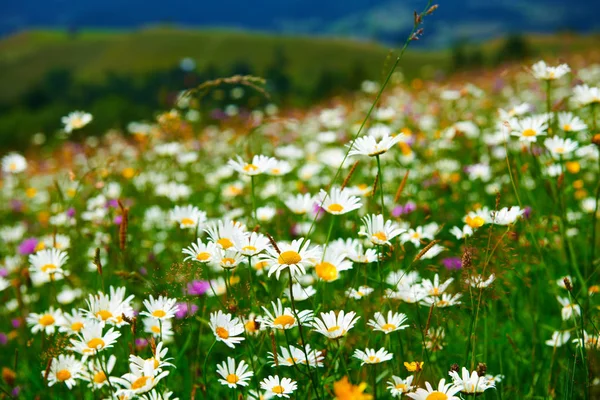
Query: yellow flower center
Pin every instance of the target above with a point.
(96, 343)
(63, 375)
(187, 222)
(374, 359)
(159, 314)
(104, 314)
(225, 243)
(289, 257)
(529, 132)
(326, 271)
(203, 256)
(436, 396)
(76, 326)
(474, 222)
(250, 326)
(416, 235)
(155, 329)
(71, 192)
(248, 248)
(388, 327)
(30, 192)
(333, 329)
(227, 261)
(401, 386)
(292, 360)
(278, 389)
(40, 246)
(275, 171)
(284, 320)
(566, 127)
(140, 382)
(232, 378)
(222, 332)
(128, 173)
(559, 150)
(435, 291)
(99, 377)
(12, 166)
(260, 265)
(48, 268)
(250, 168)
(380, 236)
(335, 208)
(46, 320)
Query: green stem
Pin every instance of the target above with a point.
(204, 372)
(380, 174)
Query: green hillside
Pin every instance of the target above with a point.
(25, 58)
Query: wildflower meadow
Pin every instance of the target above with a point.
(428, 240)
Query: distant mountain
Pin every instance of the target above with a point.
(383, 20)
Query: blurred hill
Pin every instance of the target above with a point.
(381, 20)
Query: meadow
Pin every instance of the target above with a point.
(422, 239)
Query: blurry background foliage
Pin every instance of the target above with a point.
(124, 76)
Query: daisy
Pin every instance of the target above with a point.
(226, 329)
(292, 257)
(13, 163)
(234, 376)
(154, 395)
(90, 340)
(584, 95)
(300, 204)
(139, 380)
(335, 327)
(560, 147)
(278, 387)
(76, 120)
(378, 231)
(188, 217)
(226, 259)
(355, 251)
(545, 72)
(284, 318)
(331, 265)
(279, 168)
(559, 338)
(252, 245)
(529, 128)
(369, 146)
(443, 392)
(48, 321)
(445, 300)
(65, 369)
(200, 252)
(161, 308)
(339, 201)
(225, 233)
(48, 261)
(398, 386)
(160, 329)
(370, 356)
(415, 236)
(295, 355)
(265, 214)
(507, 215)
(109, 308)
(478, 282)
(300, 292)
(569, 122)
(470, 383)
(434, 288)
(96, 375)
(259, 165)
(590, 341)
(359, 293)
(393, 322)
(568, 308)
(158, 358)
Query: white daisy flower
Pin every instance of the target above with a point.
(66, 369)
(91, 341)
(398, 386)
(234, 376)
(227, 329)
(338, 201)
(278, 387)
(252, 245)
(48, 321)
(392, 323)
(161, 308)
(359, 293)
(569, 310)
(284, 318)
(478, 282)
(200, 252)
(378, 231)
(368, 145)
(259, 165)
(445, 391)
(529, 129)
(370, 356)
(545, 72)
(13, 163)
(559, 338)
(226, 233)
(292, 257)
(188, 217)
(300, 204)
(560, 147)
(334, 327)
(76, 120)
(48, 261)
